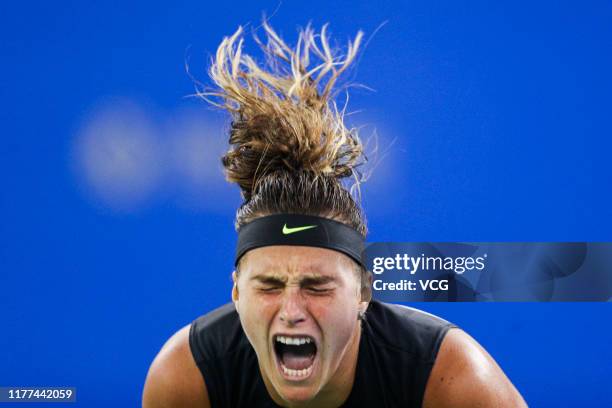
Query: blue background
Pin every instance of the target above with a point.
(493, 120)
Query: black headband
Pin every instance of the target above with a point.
(303, 230)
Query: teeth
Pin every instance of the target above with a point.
(296, 373)
(293, 341)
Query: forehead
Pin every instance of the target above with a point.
(295, 261)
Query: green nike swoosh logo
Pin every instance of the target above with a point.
(287, 231)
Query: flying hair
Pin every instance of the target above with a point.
(290, 151)
(284, 115)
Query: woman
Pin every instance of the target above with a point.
(302, 330)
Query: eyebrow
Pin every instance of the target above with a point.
(270, 280)
(317, 280)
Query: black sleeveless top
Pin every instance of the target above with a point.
(397, 350)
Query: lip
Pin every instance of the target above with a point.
(279, 368)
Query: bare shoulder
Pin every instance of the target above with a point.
(174, 380)
(465, 375)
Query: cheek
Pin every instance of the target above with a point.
(258, 305)
(337, 319)
(256, 315)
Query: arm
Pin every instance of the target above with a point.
(174, 380)
(465, 375)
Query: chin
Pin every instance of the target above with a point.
(296, 395)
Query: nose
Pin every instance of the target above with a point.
(292, 308)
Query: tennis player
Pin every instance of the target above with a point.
(302, 329)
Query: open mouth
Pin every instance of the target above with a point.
(295, 355)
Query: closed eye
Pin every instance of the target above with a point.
(269, 289)
(318, 289)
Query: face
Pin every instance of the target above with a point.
(298, 307)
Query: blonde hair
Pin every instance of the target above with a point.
(289, 146)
